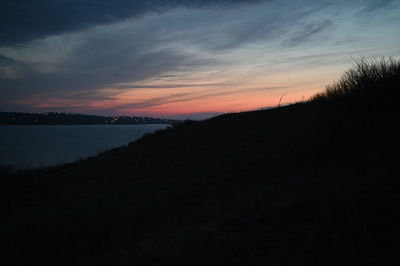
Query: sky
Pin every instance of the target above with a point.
(183, 58)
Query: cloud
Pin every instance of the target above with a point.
(266, 22)
(188, 54)
(377, 4)
(92, 60)
(11, 68)
(25, 20)
(308, 32)
(191, 96)
(5, 64)
(168, 86)
(92, 76)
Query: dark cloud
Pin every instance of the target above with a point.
(92, 77)
(377, 4)
(11, 67)
(25, 20)
(171, 98)
(106, 57)
(5, 62)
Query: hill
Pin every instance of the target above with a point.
(15, 118)
(313, 183)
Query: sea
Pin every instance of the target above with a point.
(26, 147)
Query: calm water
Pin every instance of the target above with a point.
(36, 146)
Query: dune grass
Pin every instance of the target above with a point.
(372, 79)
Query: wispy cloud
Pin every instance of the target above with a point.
(11, 68)
(37, 19)
(377, 4)
(169, 86)
(307, 32)
(172, 52)
(190, 96)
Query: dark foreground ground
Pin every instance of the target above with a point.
(308, 184)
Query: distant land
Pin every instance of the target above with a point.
(55, 118)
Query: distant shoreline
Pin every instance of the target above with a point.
(84, 124)
(26, 119)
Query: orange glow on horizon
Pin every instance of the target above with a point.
(165, 104)
(164, 99)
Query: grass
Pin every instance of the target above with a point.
(313, 183)
(375, 79)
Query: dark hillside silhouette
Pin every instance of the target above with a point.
(313, 183)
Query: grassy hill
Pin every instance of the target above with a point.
(314, 183)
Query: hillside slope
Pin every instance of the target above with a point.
(313, 183)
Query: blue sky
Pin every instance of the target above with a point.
(183, 59)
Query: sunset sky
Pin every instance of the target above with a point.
(183, 58)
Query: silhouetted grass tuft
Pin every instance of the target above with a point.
(369, 80)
